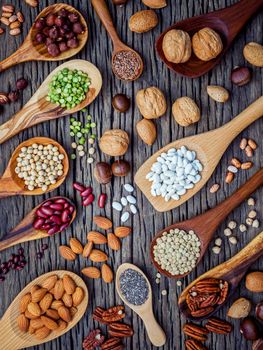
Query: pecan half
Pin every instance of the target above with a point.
(121, 330)
(94, 339)
(223, 293)
(112, 344)
(113, 314)
(218, 326)
(97, 315)
(209, 285)
(194, 345)
(196, 332)
(202, 312)
(210, 300)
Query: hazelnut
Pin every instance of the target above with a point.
(177, 46)
(146, 129)
(259, 311)
(121, 103)
(207, 44)
(21, 84)
(155, 4)
(151, 102)
(114, 142)
(253, 53)
(103, 173)
(249, 329)
(120, 168)
(240, 76)
(185, 111)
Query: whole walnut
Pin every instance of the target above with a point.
(185, 111)
(114, 142)
(207, 44)
(151, 102)
(177, 47)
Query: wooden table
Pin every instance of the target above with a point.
(135, 248)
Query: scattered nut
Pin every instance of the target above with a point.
(240, 308)
(216, 249)
(218, 93)
(255, 223)
(249, 221)
(146, 129)
(251, 201)
(20, 17)
(229, 177)
(243, 143)
(15, 31)
(227, 232)
(257, 344)
(103, 173)
(151, 102)
(176, 46)
(249, 151)
(185, 111)
(253, 53)
(246, 166)
(249, 329)
(232, 225)
(252, 144)
(32, 3)
(120, 168)
(143, 21)
(240, 76)
(242, 228)
(254, 281)
(218, 242)
(214, 188)
(5, 21)
(155, 4)
(236, 163)
(259, 311)
(252, 214)
(114, 142)
(121, 103)
(233, 240)
(207, 44)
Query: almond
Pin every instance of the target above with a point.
(143, 21)
(73, 310)
(25, 300)
(50, 282)
(49, 323)
(64, 313)
(218, 93)
(52, 291)
(30, 316)
(91, 272)
(254, 282)
(59, 289)
(253, 53)
(96, 237)
(62, 325)
(240, 308)
(67, 253)
(87, 249)
(155, 4)
(107, 274)
(46, 302)
(102, 222)
(33, 289)
(78, 296)
(42, 333)
(122, 231)
(146, 129)
(39, 295)
(31, 330)
(67, 300)
(113, 241)
(56, 304)
(53, 314)
(69, 284)
(37, 323)
(23, 323)
(97, 255)
(34, 309)
(76, 246)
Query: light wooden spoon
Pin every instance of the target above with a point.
(25, 232)
(38, 109)
(13, 339)
(30, 51)
(232, 271)
(209, 147)
(144, 311)
(11, 184)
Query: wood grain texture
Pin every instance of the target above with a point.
(136, 247)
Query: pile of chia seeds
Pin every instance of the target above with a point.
(134, 287)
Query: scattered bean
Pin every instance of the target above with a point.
(232, 225)
(251, 201)
(233, 240)
(227, 232)
(216, 249)
(242, 228)
(252, 214)
(255, 223)
(214, 188)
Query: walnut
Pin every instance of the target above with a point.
(185, 111)
(207, 44)
(177, 46)
(151, 102)
(114, 142)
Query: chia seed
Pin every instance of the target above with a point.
(134, 287)
(126, 65)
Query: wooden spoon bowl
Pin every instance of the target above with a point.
(11, 184)
(31, 51)
(227, 23)
(205, 225)
(13, 338)
(232, 271)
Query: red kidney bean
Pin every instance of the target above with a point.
(40, 214)
(56, 219)
(38, 223)
(53, 230)
(61, 200)
(102, 200)
(66, 205)
(45, 227)
(87, 192)
(63, 227)
(57, 212)
(65, 216)
(71, 209)
(46, 204)
(46, 211)
(87, 201)
(48, 221)
(78, 187)
(56, 206)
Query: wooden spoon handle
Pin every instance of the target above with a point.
(23, 54)
(154, 330)
(23, 234)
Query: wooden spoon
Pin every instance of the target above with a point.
(105, 17)
(25, 231)
(11, 184)
(227, 22)
(209, 147)
(232, 271)
(10, 335)
(30, 51)
(144, 311)
(206, 224)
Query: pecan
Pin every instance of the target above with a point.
(120, 330)
(94, 339)
(223, 293)
(97, 315)
(194, 345)
(209, 285)
(113, 314)
(209, 301)
(202, 312)
(218, 326)
(112, 344)
(196, 332)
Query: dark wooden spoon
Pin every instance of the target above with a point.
(205, 225)
(227, 22)
(232, 271)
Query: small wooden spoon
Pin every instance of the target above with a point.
(11, 184)
(144, 311)
(206, 224)
(30, 51)
(209, 147)
(10, 335)
(105, 17)
(25, 231)
(232, 271)
(38, 109)
(227, 22)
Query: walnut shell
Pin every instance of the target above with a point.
(177, 47)
(143, 21)
(114, 142)
(185, 111)
(253, 53)
(155, 4)
(151, 102)
(207, 44)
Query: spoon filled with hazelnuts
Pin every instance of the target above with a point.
(194, 46)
